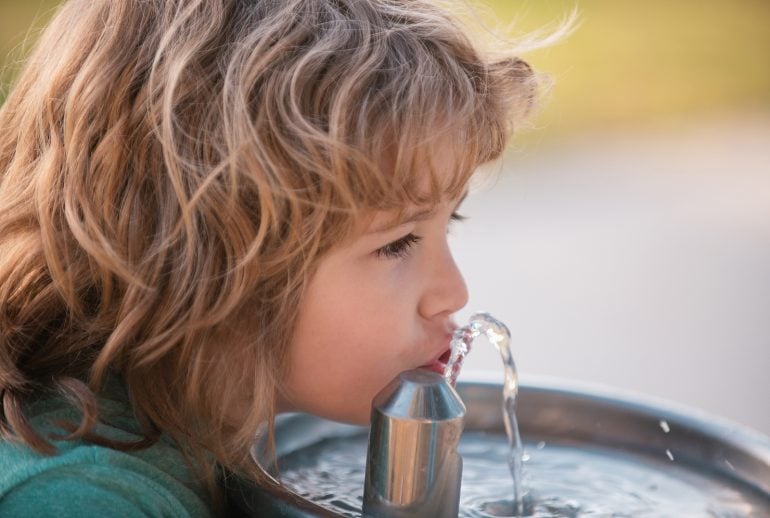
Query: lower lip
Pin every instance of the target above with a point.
(436, 367)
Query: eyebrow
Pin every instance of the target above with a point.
(420, 215)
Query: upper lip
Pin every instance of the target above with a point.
(444, 345)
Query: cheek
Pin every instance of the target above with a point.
(346, 348)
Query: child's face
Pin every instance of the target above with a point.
(377, 306)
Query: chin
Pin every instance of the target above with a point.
(357, 418)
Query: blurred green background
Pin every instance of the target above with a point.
(653, 62)
(627, 63)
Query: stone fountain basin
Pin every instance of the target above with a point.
(562, 414)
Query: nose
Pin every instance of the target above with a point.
(445, 291)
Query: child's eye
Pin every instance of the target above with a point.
(455, 217)
(399, 248)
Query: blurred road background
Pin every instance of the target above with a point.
(625, 238)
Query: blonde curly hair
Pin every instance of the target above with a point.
(171, 171)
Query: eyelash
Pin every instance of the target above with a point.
(401, 247)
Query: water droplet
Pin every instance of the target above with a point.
(540, 445)
(670, 455)
(729, 465)
(664, 426)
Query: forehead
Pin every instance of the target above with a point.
(382, 221)
(442, 153)
(377, 222)
(428, 173)
(411, 181)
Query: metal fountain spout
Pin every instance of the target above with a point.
(413, 468)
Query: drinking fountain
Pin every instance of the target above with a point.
(718, 468)
(434, 449)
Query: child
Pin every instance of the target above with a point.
(213, 211)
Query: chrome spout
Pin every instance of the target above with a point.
(413, 468)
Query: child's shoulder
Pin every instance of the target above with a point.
(90, 480)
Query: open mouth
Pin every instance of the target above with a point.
(439, 365)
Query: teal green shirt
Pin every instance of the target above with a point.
(85, 480)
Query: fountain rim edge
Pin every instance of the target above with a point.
(714, 425)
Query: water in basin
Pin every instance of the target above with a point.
(559, 480)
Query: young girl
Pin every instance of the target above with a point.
(213, 211)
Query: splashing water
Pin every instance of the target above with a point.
(459, 348)
(498, 335)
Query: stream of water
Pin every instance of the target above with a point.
(498, 335)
